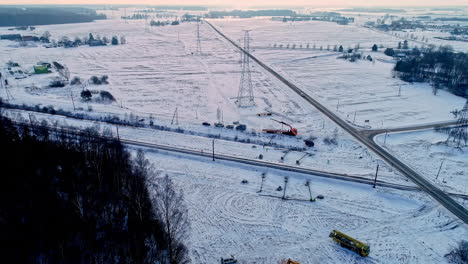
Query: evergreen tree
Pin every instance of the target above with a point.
(405, 44)
(375, 48)
(115, 40)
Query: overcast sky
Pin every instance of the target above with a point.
(253, 2)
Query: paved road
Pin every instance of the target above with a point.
(443, 198)
(374, 132)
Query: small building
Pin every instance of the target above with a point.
(41, 69)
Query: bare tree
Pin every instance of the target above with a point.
(460, 132)
(172, 212)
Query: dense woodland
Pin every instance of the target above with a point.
(84, 199)
(441, 67)
(19, 16)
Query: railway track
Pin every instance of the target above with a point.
(366, 139)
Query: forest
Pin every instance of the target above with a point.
(83, 198)
(441, 67)
(28, 16)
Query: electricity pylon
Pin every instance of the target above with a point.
(245, 96)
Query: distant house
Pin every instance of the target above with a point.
(41, 69)
(11, 36)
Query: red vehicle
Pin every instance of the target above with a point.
(292, 131)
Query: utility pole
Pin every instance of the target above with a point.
(73, 102)
(285, 185)
(385, 138)
(440, 167)
(118, 136)
(376, 172)
(338, 105)
(354, 119)
(175, 117)
(399, 90)
(30, 119)
(263, 179)
(199, 51)
(213, 150)
(310, 192)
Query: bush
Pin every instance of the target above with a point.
(106, 96)
(57, 83)
(75, 81)
(389, 52)
(115, 40)
(104, 79)
(86, 95)
(95, 80)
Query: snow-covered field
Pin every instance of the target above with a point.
(427, 151)
(358, 91)
(229, 217)
(157, 72)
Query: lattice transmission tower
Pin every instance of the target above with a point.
(199, 51)
(245, 96)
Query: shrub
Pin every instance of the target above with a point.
(389, 52)
(95, 80)
(106, 96)
(104, 79)
(75, 81)
(57, 83)
(86, 95)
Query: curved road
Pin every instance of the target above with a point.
(443, 198)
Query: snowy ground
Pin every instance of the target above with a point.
(358, 91)
(425, 151)
(156, 72)
(232, 218)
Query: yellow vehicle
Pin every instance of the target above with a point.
(351, 243)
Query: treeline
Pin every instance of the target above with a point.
(442, 68)
(250, 13)
(82, 198)
(373, 10)
(16, 16)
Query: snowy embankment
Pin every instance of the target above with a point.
(344, 158)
